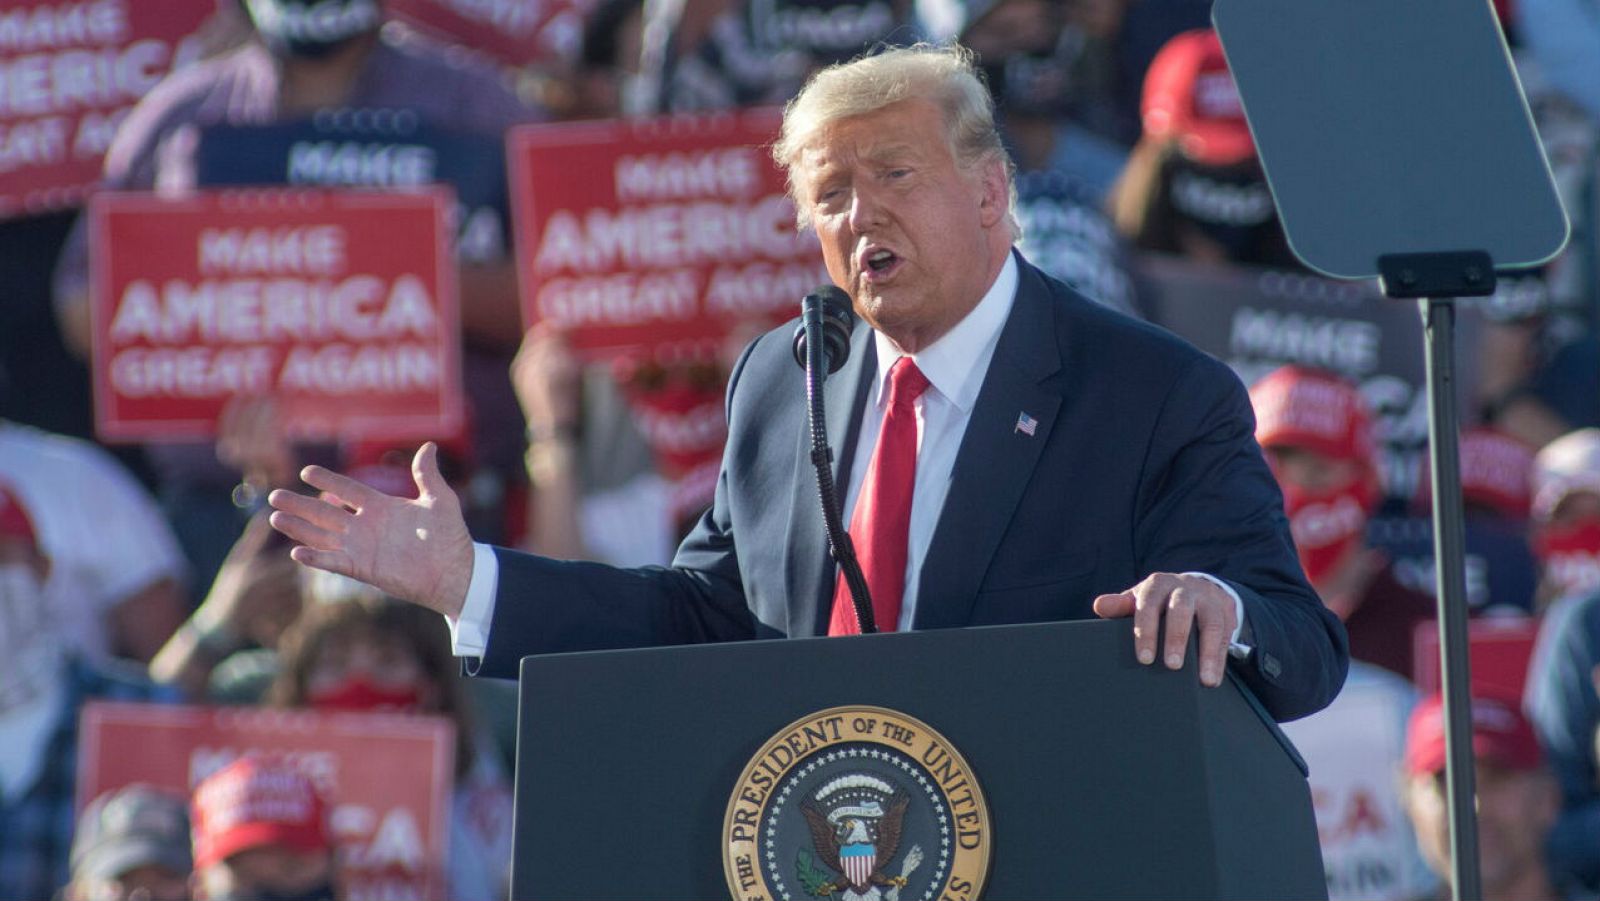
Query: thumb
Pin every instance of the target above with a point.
(1114, 606)
(425, 471)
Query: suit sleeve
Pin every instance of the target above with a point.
(546, 606)
(1208, 503)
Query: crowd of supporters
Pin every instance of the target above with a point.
(148, 573)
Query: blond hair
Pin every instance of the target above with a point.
(943, 75)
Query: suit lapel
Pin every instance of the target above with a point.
(809, 570)
(996, 460)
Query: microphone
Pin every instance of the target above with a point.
(825, 316)
(833, 306)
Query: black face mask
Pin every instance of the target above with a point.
(1032, 83)
(1232, 206)
(312, 29)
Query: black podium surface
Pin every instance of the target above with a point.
(1103, 778)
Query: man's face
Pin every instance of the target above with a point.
(1309, 470)
(269, 871)
(1516, 809)
(905, 229)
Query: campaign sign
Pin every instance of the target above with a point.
(1256, 320)
(1500, 648)
(69, 72)
(342, 306)
(384, 149)
(513, 32)
(386, 777)
(655, 237)
(1354, 749)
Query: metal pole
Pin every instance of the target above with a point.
(1438, 318)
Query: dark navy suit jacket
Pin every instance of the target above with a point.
(1143, 460)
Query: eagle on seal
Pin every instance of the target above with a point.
(858, 847)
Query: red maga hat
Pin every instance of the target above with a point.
(1315, 410)
(254, 802)
(1500, 734)
(1190, 97)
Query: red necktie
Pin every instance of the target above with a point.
(882, 517)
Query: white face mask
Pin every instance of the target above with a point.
(29, 649)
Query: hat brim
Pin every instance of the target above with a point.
(1217, 144)
(114, 859)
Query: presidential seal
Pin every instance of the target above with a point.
(856, 804)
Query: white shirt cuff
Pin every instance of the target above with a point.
(469, 633)
(1235, 649)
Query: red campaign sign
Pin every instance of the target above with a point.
(69, 72)
(656, 237)
(513, 32)
(1500, 648)
(342, 305)
(387, 777)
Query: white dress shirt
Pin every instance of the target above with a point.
(955, 366)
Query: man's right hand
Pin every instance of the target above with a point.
(417, 551)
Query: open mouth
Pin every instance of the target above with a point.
(881, 263)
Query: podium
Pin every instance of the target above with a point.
(1101, 778)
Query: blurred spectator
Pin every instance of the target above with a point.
(371, 653)
(1353, 748)
(1317, 435)
(1562, 702)
(1516, 803)
(261, 832)
(132, 843)
(256, 595)
(607, 81)
(43, 686)
(1496, 472)
(116, 583)
(594, 492)
(1030, 53)
(1193, 186)
(717, 54)
(1566, 514)
(308, 57)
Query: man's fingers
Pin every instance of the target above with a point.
(1214, 632)
(1180, 604)
(343, 487)
(306, 532)
(425, 471)
(315, 511)
(1149, 604)
(1114, 606)
(332, 561)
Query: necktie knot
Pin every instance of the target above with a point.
(906, 382)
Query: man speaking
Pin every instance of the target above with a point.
(1010, 452)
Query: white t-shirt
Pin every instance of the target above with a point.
(103, 533)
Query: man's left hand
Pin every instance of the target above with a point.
(1186, 602)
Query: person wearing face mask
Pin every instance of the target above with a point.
(364, 652)
(1316, 432)
(43, 686)
(1566, 515)
(260, 833)
(1193, 185)
(310, 57)
(1033, 55)
(1561, 696)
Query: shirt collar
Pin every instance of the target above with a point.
(948, 362)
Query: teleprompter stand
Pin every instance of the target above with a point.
(1398, 144)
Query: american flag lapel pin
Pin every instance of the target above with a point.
(1026, 424)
